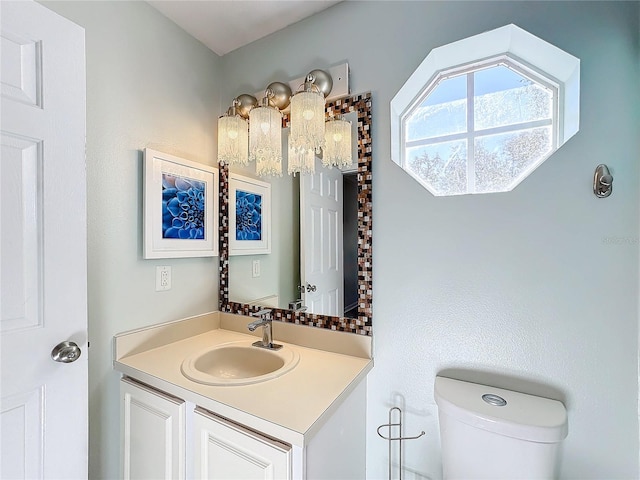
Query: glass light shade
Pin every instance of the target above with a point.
(303, 162)
(307, 121)
(337, 149)
(265, 140)
(233, 140)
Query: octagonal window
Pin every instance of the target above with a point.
(483, 126)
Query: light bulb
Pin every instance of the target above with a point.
(337, 137)
(264, 126)
(307, 114)
(232, 134)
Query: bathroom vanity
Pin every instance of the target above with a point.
(307, 421)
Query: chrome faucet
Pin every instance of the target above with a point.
(265, 321)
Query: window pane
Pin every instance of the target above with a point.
(504, 97)
(443, 112)
(500, 159)
(443, 166)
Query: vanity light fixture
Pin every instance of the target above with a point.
(308, 112)
(337, 149)
(233, 137)
(245, 103)
(303, 162)
(307, 123)
(265, 138)
(265, 130)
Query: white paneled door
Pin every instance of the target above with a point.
(321, 240)
(43, 302)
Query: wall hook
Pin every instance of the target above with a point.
(602, 181)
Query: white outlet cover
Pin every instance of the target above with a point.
(163, 278)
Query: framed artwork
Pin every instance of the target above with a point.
(180, 207)
(249, 216)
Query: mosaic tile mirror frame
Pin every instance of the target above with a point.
(362, 324)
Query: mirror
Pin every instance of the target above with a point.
(248, 282)
(326, 265)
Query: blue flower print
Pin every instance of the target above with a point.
(248, 216)
(183, 208)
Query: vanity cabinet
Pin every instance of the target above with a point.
(306, 424)
(164, 437)
(162, 434)
(228, 451)
(152, 433)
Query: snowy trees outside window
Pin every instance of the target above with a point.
(483, 124)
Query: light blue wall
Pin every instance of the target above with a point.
(535, 289)
(149, 84)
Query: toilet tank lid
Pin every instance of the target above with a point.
(524, 416)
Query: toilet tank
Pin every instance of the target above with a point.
(491, 433)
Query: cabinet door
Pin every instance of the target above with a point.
(227, 451)
(152, 433)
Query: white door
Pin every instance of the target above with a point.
(321, 248)
(43, 429)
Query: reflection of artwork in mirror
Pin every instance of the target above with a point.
(180, 198)
(249, 216)
(235, 276)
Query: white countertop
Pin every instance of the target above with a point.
(291, 407)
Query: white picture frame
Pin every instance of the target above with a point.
(249, 200)
(180, 207)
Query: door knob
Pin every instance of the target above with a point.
(311, 288)
(66, 352)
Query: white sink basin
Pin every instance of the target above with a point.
(238, 363)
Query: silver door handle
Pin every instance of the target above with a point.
(66, 352)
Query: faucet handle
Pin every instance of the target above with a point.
(265, 313)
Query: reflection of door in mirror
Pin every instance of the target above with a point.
(328, 242)
(321, 250)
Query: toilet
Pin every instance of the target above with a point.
(491, 433)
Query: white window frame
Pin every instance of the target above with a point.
(512, 46)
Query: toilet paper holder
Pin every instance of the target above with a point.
(399, 438)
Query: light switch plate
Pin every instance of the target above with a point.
(255, 271)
